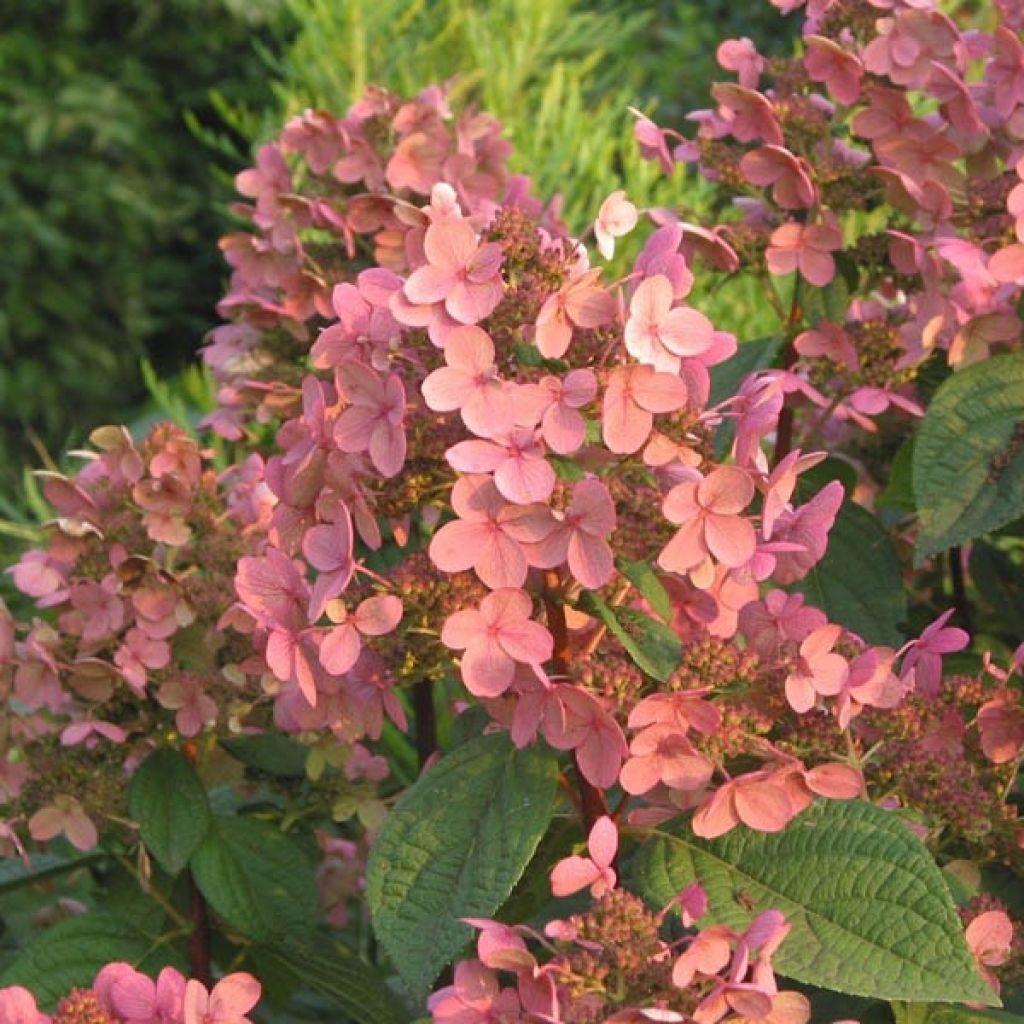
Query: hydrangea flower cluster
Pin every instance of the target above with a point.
(465, 448)
(886, 158)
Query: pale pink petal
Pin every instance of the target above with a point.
(234, 996)
(524, 480)
(378, 615)
(763, 806)
(526, 641)
(836, 781)
(572, 874)
(458, 545)
(603, 842)
(486, 670)
(731, 539)
(340, 649)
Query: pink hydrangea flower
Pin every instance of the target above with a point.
(709, 514)
(581, 302)
(789, 176)
(741, 56)
(18, 1006)
(373, 422)
(632, 396)
(459, 272)
(194, 708)
(661, 336)
(476, 997)
(661, 753)
(1001, 725)
(841, 71)
(579, 536)
(470, 384)
(136, 999)
(521, 472)
(562, 425)
(375, 616)
(483, 538)
(807, 248)
(820, 671)
(749, 115)
(64, 815)
(575, 872)
(924, 655)
(494, 638)
(328, 548)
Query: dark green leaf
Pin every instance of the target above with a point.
(757, 354)
(14, 874)
(858, 583)
(870, 912)
(355, 987)
(70, 954)
(257, 879)
(169, 803)
(272, 753)
(651, 644)
(969, 455)
(899, 491)
(454, 846)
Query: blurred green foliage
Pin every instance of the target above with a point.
(109, 208)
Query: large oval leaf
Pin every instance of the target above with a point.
(969, 455)
(858, 583)
(69, 955)
(870, 911)
(169, 803)
(257, 879)
(454, 846)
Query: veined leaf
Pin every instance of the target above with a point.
(870, 912)
(257, 879)
(969, 455)
(454, 846)
(169, 803)
(651, 644)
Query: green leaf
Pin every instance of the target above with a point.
(355, 987)
(273, 753)
(899, 491)
(870, 912)
(858, 583)
(651, 644)
(648, 583)
(965, 1015)
(14, 874)
(757, 354)
(828, 303)
(256, 878)
(169, 803)
(71, 952)
(969, 455)
(454, 846)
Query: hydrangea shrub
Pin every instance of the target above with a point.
(593, 660)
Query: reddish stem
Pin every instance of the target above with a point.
(199, 940)
(592, 799)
